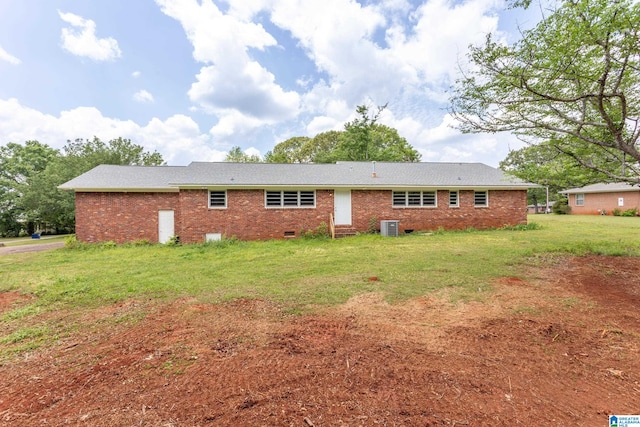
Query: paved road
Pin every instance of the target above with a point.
(5, 250)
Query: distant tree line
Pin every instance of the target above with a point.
(31, 172)
(362, 139)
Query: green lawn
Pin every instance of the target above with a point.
(298, 274)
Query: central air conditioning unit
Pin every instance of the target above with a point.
(389, 228)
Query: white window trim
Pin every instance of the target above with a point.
(487, 198)
(226, 200)
(282, 206)
(581, 199)
(406, 199)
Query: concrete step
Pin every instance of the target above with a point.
(344, 232)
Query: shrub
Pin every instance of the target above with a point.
(70, 242)
(173, 240)
(320, 232)
(630, 212)
(627, 212)
(561, 207)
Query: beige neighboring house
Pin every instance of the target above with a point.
(602, 199)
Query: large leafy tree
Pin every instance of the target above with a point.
(31, 173)
(357, 142)
(543, 164)
(89, 153)
(554, 171)
(290, 151)
(302, 149)
(19, 164)
(322, 147)
(362, 139)
(573, 81)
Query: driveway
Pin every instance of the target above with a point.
(6, 250)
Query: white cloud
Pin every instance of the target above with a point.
(178, 138)
(441, 35)
(6, 56)
(234, 126)
(142, 96)
(252, 151)
(444, 143)
(80, 39)
(232, 85)
(136, 74)
(214, 35)
(374, 53)
(249, 89)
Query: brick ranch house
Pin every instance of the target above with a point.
(256, 201)
(602, 199)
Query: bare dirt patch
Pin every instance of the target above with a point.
(562, 349)
(7, 299)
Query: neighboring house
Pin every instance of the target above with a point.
(602, 199)
(540, 208)
(206, 201)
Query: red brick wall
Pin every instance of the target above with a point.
(594, 203)
(505, 208)
(246, 216)
(122, 217)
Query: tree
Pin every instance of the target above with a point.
(237, 155)
(573, 82)
(543, 164)
(289, 151)
(553, 170)
(362, 139)
(302, 149)
(388, 145)
(41, 200)
(357, 141)
(18, 165)
(87, 154)
(321, 148)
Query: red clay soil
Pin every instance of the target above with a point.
(561, 349)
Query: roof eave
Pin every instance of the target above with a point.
(121, 190)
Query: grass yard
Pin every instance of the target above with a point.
(280, 299)
(305, 273)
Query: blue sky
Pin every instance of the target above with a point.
(193, 78)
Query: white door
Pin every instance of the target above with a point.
(166, 227)
(342, 207)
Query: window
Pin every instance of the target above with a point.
(217, 199)
(580, 199)
(453, 199)
(481, 198)
(290, 199)
(429, 198)
(414, 198)
(399, 198)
